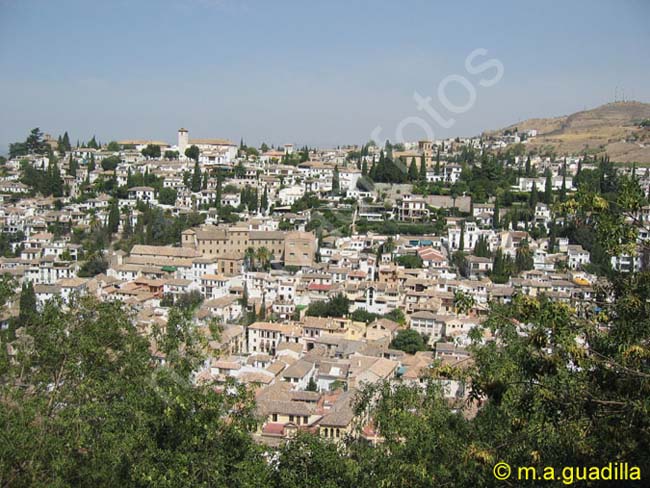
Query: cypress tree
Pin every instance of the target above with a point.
(413, 173)
(423, 169)
(548, 189)
(219, 190)
(523, 258)
(128, 228)
(114, 217)
(263, 308)
(66, 141)
(534, 197)
(563, 190)
(56, 183)
(495, 217)
(196, 178)
(481, 247)
(461, 241)
(72, 167)
(27, 304)
(336, 185)
(552, 237)
(500, 268)
(264, 204)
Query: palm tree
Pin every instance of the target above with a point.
(263, 256)
(249, 258)
(463, 302)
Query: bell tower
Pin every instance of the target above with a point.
(183, 140)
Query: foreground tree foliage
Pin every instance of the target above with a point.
(82, 405)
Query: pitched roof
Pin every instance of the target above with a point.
(299, 369)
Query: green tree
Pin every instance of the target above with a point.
(423, 169)
(563, 189)
(195, 185)
(311, 385)
(66, 142)
(414, 174)
(189, 301)
(264, 202)
(27, 304)
(463, 302)
(55, 182)
(110, 163)
(73, 166)
(167, 196)
(336, 186)
(93, 144)
(127, 232)
(152, 151)
(534, 197)
(94, 265)
(193, 152)
(114, 217)
(482, 248)
(548, 188)
(91, 163)
(337, 306)
(410, 341)
(309, 461)
(410, 261)
(84, 405)
(501, 267)
(523, 258)
(552, 237)
(33, 144)
(263, 258)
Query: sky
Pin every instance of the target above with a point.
(318, 73)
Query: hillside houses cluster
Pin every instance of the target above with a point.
(271, 264)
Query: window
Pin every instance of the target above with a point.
(275, 417)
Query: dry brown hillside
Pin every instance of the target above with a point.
(612, 128)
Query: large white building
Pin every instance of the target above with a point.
(212, 151)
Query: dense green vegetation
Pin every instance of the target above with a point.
(409, 341)
(410, 261)
(337, 306)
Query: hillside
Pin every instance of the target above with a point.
(612, 128)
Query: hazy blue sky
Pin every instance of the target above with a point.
(325, 72)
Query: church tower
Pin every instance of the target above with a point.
(183, 140)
